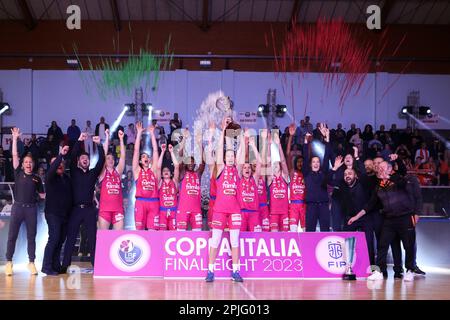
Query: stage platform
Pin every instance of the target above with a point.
(22, 286)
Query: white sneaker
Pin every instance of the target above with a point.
(409, 276)
(376, 275)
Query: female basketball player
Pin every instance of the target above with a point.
(168, 191)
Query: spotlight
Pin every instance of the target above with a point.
(116, 123)
(145, 108)
(263, 109)
(407, 109)
(424, 111)
(130, 109)
(280, 110)
(4, 106)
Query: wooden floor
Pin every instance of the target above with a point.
(22, 286)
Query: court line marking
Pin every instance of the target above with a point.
(252, 297)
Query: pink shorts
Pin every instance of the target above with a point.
(250, 221)
(279, 222)
(112, 216)
(210, 212)
(264, 216)
(194, 218)
(297, 211)
(221, 220)
(167, 219)
(146, 215)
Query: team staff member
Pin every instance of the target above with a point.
(354, 195)
(398, 212)
(83, 187)
(27, 186)
(58, 204)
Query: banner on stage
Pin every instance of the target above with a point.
(184, 254)
(163, 117)
(247, 118)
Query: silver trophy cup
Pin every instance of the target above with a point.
(350, 244)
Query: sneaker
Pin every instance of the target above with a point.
(80, 254)
(63, 270)
(49, 272)
(398, 275)
(418, 272)
(409, 276)
(209, 276)
(236, 277)
(376, 275)
(32, 268)
(9, 268)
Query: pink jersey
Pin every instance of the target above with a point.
(146, 184)
(190, 193)
(279, 202)
(111, 192)
(168, 194)
(262, 191)
(227, 191)
(212, 188)
(248, 194)
(297, 187)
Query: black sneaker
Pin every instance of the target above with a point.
(398, 275)
(418, 272)
(385, 275)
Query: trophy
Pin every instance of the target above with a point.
(350, 244)
(225, 104)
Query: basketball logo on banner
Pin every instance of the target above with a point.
(330, 254)
(130, 253)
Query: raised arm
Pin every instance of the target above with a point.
(284, 167)
(240, 155)
(198, 142)
(101, 156)
(269, 158)
(136, 151)
(155, 154)
(263, 146)
(176, 165)
(210, 161)
(76, 151)
(219, 150)
(15, 154)
(289, 146)
(161, 157)
(252, 145)
(51, 172)
(121, 165)
(106, 142)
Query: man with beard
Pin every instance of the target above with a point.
(354, 196)
(83, 187)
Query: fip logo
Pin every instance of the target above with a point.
(129, 253)
(331, 254)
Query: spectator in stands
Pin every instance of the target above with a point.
(100, 129)
(4, 166)
(339, 134)
(382, 134)
(308, 125)
(395, 134)
(367, 135)
(73, 132)
(351, 132)
(56, 132)
(49, 149)
(357, 141)
(423, 153)
(386, 152)
(131, 134)
(300, 133)
(339, 151)
(443, 171)
(316, 133)
(175, 123)
(31, 146)
(88, 145)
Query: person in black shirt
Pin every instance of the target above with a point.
(27, 186)
(83, 186)
(58, 204)
(354, 195)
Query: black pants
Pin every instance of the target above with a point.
(317, 212)
(57, 231)
(365, 225)
(19, 214)
(403, 228)
(396, 248)
(79, 216)
(337, 220)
